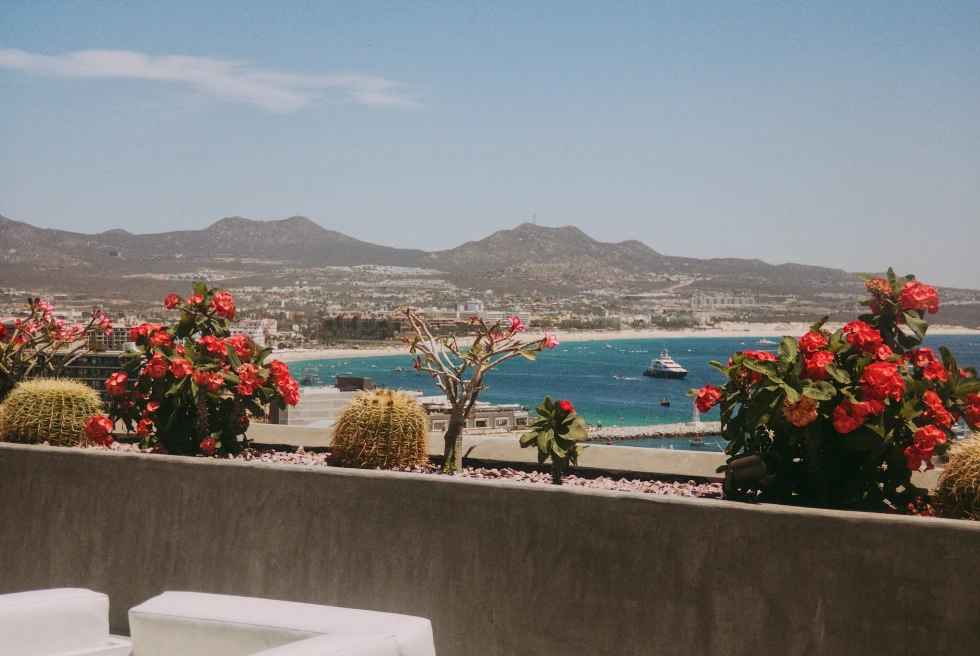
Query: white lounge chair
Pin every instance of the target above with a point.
(58, 622)
(199, 624)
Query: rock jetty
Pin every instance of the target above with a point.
(654, 431)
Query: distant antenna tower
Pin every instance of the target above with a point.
(534, 220)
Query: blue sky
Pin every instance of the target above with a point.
(842, 134)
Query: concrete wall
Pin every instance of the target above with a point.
(500, 569)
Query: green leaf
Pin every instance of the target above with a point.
(917, 325)
(529, 354)
(542, 457)
(199, 288)
(577, 432)
(720, 367)
(966, 386)
(838, 374)
(527, 439)
(865, 276)
(232, 357)
(815, 328)
(820, 390)
(863, 439)
(788, 350)
(556, 450)
(544, 438)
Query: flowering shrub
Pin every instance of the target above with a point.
(555, 433)
(43, 345)
(842, 420)
(196, 384)
(459, 371)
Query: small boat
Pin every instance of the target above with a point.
(399, 368)
(665, 367)
(766, 342)
(665, 402)
(608, 345)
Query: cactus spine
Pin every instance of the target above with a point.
(958, 492)
(48, 409)
(381, 429)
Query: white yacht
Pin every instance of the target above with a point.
(766, 342)
(665, 367)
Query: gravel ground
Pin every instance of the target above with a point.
(302, 457)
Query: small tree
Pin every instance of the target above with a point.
(459, 371)
(43, 345)
(555, 433)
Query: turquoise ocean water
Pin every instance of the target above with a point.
(604, 384)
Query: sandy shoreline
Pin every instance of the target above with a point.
(772, 330)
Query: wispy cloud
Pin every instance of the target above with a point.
(275, 91)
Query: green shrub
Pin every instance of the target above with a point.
(381, 428)
(48, 409)
(555, 433)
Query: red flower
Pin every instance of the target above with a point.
(916, 296)
(812, 342)
(180, 368)
(115, 384)
(143, 428)
(172, 302)
(208, 445)
(801, 413)
(707, 397)
(761, 356)
(143, 330)
(156, 367)
(815, 365)
(161, 338)
(151, 407)
(211, 380)
(935, 410)
(288, 389)
(972, 413)
(515, 324)
(920, 357)
(240, 344)
(925, 438)
(98, 430)
(248, 382)
(214, 347)
(848, 416)
(915, 458)
(417, 363)
(566, 406)
(934, 371)
(222, 304)
(3, 332)
(881, 380)
(862, 336)
(883, 352)
(278, 368)
(196, 299)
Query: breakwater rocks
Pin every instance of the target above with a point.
(615, 433)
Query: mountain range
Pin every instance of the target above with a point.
(530, 251)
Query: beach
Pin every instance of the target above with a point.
(753, 330)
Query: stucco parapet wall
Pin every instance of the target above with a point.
(493, 450)
(486, 561)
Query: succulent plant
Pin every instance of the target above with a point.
(555, 433)
(958, 492)
(48, 410)
(381, 429)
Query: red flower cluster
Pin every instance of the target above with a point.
(180, 368)
(707, 397)
(143, 330)
(223, 305)
(208, 445)
(115, 384)
(916, 296)
(98, 430)
(248, 382)
(288, 388)
(972, 413)
(934, 371)
(921, 357)
(156, 367)
(815, 365)
(801, 413)
(761, 356)
(196, 299)
(566, 406)
(172, 302)
(210, 380)
(213, 347)
(881, 380)
(849, 416)
(239, 342)
(935, 411)
(925, 440)
(862, 337)
(812, 342)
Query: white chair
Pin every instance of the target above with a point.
(199, 624)
(58, 622)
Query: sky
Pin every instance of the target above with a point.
(834, 133)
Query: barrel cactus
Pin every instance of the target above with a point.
(381, 429)
(958, 492)
(48, 410)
